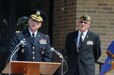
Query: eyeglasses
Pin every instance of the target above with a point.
(85, 22)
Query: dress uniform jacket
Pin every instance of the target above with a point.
(37, 49)
(82, 61)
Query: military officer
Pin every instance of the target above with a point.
(36, 46)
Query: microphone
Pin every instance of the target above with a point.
(58, 53)
(22, 43)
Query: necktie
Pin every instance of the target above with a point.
(33, 36)
(80, 40)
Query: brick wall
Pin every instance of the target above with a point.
(67, 12)
(64, 21)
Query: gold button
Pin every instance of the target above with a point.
(33, 57)
(33, 47)
(33, 52)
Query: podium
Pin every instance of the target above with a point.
(31, 68)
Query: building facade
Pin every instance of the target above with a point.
(66, 13)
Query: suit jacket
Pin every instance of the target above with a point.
(82, 61)
(33, 50)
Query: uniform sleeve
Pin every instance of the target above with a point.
(97, 48)
(48, 53)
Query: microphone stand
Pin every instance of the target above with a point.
(62, 64)
(62, 61)
(22, 42)
(14, 53)
(10, 60)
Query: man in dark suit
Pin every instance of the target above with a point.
(36, 46)
(83, 48)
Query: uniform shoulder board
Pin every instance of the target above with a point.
(17, 31)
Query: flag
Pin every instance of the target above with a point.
(107, 66)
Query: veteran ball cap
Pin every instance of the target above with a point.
(85, 18)
(38, 16)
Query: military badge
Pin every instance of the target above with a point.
(89, 42)
(43, 41)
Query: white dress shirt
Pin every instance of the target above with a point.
(31, 33)
(83, 37)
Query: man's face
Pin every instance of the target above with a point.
(34, 25)
(83, 25)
